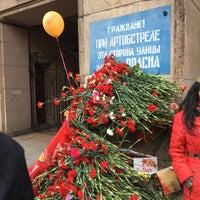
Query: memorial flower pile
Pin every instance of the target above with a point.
(88, 167)
(117, 101)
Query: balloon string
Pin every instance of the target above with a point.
(63, 61)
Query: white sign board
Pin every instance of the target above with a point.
(146, 165)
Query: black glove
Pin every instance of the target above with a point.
(188, 182)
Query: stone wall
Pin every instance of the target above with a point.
(191, 69)
(100, 10)
(15, 83)
(184, 32)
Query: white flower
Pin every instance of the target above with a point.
(109, 132)
(123, 114)
(112, 117)
(112, 99)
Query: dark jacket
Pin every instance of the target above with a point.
(14, 178)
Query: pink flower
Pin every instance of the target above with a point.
(74, 152)
(68, 197)
(108, 80)
(174, 106)
(125, 83)
(95, 96)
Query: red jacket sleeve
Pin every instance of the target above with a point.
(177, 149)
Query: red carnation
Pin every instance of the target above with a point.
(81, 89)
(93, 173)
(85, 145)
(63, 190)
(70, 74)
(131, 125)
(122, 123)
(154, 93)
(151, 107)
(80, 194)
(133, 197)
(73, 188)
(91, 112)
(93, 146)
(75, 153)
(72, 173)
(91, 121)
(88, 136)
(119, 131)
(77, 78)
(56, 102)
(39, 104)
(105, 149)
(63, 94)
(104, 164)
(183, 88)
(104, 118)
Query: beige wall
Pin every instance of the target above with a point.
(21, 4)
(5, 4)
(15, 90)
(191, 69)
(15, 45)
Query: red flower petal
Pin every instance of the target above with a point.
(151, 107)
(56, 102)
(40, 104)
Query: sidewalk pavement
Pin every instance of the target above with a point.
(34, 143)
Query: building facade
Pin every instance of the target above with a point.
(160, 35)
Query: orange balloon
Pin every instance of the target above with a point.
(53, 23)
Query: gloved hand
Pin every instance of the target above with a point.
(189, 182)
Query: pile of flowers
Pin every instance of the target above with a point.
(87, 167)
(117, 101)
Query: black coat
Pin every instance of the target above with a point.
(15, 183)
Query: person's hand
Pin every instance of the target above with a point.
(189, 182)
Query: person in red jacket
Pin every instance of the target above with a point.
(185, 143)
